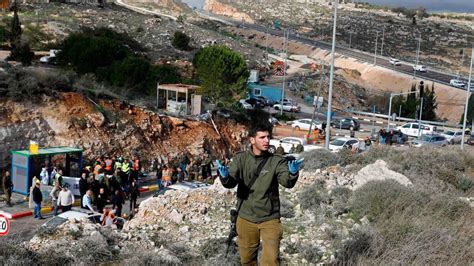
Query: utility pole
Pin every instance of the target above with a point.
(383, 38)
(375, 52)
(350, 39)
(331, 78)
(286, 34)
(468, 94)
(316, 106)
(417, 56)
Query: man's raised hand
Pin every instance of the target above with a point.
(294, 166)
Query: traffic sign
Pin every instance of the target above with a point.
(4, 225)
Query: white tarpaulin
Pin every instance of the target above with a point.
(73, 184)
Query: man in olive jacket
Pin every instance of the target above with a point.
(259, 215)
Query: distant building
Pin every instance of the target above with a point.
(273, 93)
(179, 99)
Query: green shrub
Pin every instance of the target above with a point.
(339, 197)
(181, 41)
(312, 196)
(311, 253)
(381, 199)
(465, 183)
(319, 159)
(359, 244)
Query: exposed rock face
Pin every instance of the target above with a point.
(118, 128)
(226, 10)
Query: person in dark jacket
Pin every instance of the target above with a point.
(134, 194)
(37, 199)
(7, 187)
(101, 200)
(259, 213)
(83, 185)
(117, 202)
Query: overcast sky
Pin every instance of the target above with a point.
(464, 6)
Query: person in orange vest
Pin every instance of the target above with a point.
(136, 166)
(97, 167)
(109, 166)
(108, 217)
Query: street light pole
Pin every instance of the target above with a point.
(331, 78)
(468, 94)
(375, 52)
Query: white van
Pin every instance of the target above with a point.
(412, 128)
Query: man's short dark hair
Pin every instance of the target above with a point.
(258, 127)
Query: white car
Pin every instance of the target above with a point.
(452, 137)
(419, 68)
(289, 107)
(288, 142)
(341, 143)
(413, 129)
(304, 124)
(457, 83)
(395, 62)
(245, 104)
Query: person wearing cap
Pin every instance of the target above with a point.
(37, 199)
(65, 199)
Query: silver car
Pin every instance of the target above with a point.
(430, 140)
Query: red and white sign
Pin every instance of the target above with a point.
(4, 225)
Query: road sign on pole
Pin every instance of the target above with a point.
(4, 225)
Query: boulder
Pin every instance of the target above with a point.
(378, 171)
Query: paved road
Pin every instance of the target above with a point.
(405, 68)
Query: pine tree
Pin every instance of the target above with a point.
(409, 108)
(470, 110)
(15, 27)
(429, 104)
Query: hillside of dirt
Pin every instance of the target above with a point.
(109, 127)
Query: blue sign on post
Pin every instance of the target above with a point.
(332, 114)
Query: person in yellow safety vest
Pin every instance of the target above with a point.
(118, 164)
(125, 176)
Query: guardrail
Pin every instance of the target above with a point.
(436, 123)
(143, 10)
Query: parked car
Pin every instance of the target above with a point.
(429, 140)
(266, 101)
(304, 124)
(341, 143)
(453, 137)
(246, 105)
(288, 142)
(397, 137)
(419, 68)
(457, 83)
(256, 103)
(413, 129)
(78, 215)
(289, 107)
(470, 140)
(347, 123)
(395, 62)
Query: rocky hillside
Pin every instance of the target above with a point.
(344, 209)
(36, 109)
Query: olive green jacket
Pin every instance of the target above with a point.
(263, 202)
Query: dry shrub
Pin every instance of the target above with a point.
(413, 227)
(312, 196)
